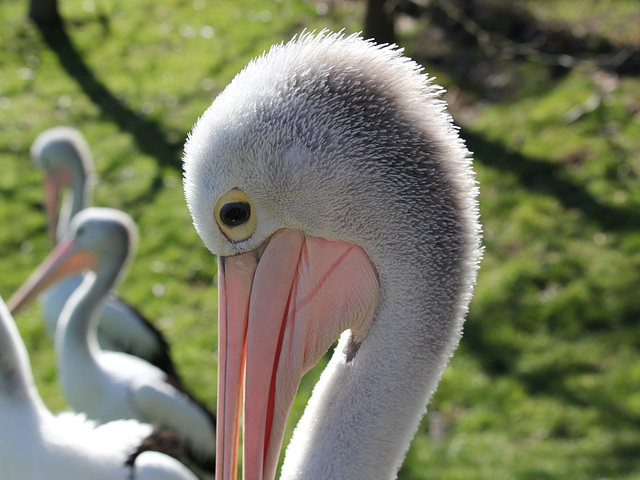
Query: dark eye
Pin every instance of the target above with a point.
(235, 213)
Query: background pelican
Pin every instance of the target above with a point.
(35, 444)
(65, 157)
(110, 385)
(330, 181)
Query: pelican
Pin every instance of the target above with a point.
(329, 180)
(35, 444)
(109, 385)
(65, 157)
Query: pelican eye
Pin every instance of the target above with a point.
(235, 215)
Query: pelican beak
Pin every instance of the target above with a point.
(280, 309)
(68, 258)
(55, 180)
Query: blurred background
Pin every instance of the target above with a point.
(546, 382)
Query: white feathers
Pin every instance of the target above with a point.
(34, 444)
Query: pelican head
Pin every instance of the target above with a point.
(332, 185)
(65, 157)
(98, 238)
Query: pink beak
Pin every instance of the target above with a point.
(68, 258)
(280, 309)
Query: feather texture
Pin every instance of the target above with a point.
(342, 139)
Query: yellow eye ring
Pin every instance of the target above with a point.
(235, 216)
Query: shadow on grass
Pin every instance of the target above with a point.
(547, 178)
(498, 357)
(148, 134)
(485, 48)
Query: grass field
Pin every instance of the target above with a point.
(546, 382)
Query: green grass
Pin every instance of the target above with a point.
(546, 383)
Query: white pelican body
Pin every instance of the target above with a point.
(109, 385)
(35, 444)
(64, 155)
(329, 180)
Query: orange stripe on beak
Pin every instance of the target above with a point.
(279, 313)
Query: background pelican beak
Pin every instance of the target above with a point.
(67, 259)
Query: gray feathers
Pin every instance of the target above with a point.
(311, 124)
